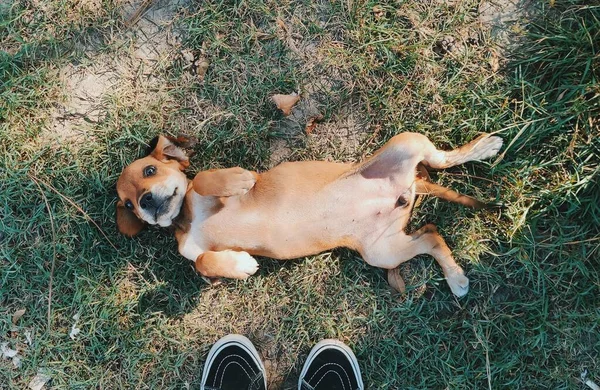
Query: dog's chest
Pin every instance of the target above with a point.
(191, 243)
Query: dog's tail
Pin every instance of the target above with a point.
(424, 187)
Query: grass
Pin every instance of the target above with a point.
(531, 319)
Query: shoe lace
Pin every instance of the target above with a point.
(257, 382)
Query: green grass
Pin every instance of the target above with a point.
(531, 318)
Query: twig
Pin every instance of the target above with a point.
(139, 13)
(53, 253)
(582, 241)
(210, 118)
(74, 205)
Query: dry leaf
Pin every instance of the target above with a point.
(7, 352)
(74, 329)
(395, 280)
(494, 62)
(17, 316)
(201, 67)
(285, 102)
(28, 338)
(188, 56)
(281, 24)
(379, 12)
(74, 332)
(39, 381)
(312, 123)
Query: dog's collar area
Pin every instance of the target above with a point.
(179, 222)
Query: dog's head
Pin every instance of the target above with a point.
(152, 189)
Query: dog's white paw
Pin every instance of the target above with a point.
(486, 147)
(245, 265)
(458, 282)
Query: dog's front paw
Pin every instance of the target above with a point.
(238, 182)
(245, 266)
(458, 282)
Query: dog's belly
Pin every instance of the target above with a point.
(284, 219)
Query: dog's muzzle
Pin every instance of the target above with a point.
(154, 205)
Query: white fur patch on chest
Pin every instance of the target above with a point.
(192, 244)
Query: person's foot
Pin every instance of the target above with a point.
(331, 365)
(233, 364)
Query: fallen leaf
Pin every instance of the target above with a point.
(281, 24)
(395, 280)
(201, 67)
(74, 332)
(379, 12)
(188, 56)
(285, 102)
(74, 329)
(312, 123)
(17, 316)
(39, 381)
(446, 45)
(28, 337)
(7, 352)
(494, 62)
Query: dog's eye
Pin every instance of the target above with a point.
(129, 205)
(150, 170)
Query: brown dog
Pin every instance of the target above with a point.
(225, 216)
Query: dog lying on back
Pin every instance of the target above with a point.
(223, 217)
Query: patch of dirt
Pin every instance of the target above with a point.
(72, 7)
(503, 18)
(132, 76)
(153, 32)
(340, 139)
(280, 151)
(84, 88)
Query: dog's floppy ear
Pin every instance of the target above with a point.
(127, 222)
(165, 148)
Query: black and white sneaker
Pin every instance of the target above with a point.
(331, 365)
(233, 364)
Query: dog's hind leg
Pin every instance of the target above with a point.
(390, 252)
(402, 154)
(481, 148)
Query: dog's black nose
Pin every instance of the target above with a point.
(146, 201)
